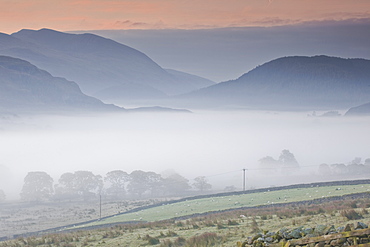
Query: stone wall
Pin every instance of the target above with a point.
(320, 236)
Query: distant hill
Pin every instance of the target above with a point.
(362, 110)
(293, 83)
(26, 88)
(158, 109)
(101, 67)
(195, 81)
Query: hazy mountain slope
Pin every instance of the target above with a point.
(100, 66)
(361, 110)
(318, 82)
(25, 87)
(221, 54)
(196, 81)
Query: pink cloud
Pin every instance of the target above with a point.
(102, 14)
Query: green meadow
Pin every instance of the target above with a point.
(220, 203)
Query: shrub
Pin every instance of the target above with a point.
(209, 223)
(171, 234)
(351, 214)
(179, 224)
(220, 226)
(151, 240)
(167, 243)
(320, 211)
(232, 223)
(204, 240)
(180, 241)
(254, 226)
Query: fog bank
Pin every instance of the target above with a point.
(217, 145)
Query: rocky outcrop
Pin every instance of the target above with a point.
(321, 235)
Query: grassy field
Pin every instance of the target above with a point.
(220, 229)
(161, 226)
(212, 204)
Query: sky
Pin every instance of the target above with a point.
(71, 15)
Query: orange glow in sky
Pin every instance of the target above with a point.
(68, 15)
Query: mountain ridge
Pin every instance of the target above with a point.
(361, 110)
(24, 87)
(97, 64)
(296, 82)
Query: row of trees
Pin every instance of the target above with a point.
(355, 168)
(118, 184)
(285, 162)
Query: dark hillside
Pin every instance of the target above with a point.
(361, 110)
(101, 67)
(290, 83)
(24, 87)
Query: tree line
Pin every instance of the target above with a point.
(285, 162)
(84, 185)
(354, 168)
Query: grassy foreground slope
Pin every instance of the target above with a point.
(219, 229)
(289, 207)
(225, 202)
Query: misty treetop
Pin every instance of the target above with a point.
(117, 181)
(117, 184)
(339, 170)
(78, 184)
(202, 184)
(285, 163)
(38, 186)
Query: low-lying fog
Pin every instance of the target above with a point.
(217, 145)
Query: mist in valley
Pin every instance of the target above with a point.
(214, 144)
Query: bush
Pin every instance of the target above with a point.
(204, 240)
(351, 214)
(232, 223)
(209, 223)
(220, 226)
(320, 211)
(254, 226)
(167, 243)
(151, 240)
(171, 234)
(180, 241)
(179, 224)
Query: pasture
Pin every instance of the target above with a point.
(220, 203)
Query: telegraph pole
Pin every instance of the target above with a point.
(244, 179)
(100, 207)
